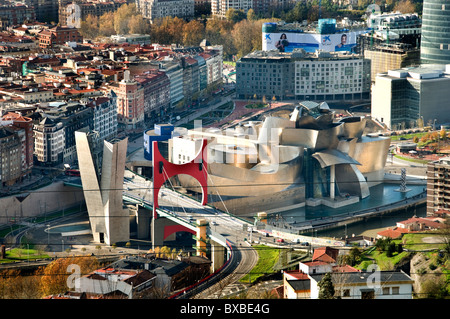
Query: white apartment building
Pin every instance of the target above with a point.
(367, 285)
(49, 140)
(219, 7)
(174, 72)
(332, 75)
(154, 9)
(105, 116)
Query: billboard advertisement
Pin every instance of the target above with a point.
(310, 42)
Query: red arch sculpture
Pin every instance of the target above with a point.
(196, 168)
(169, 230)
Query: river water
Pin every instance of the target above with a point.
(382, 194)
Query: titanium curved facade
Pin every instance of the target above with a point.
(435, 42)
(301, 157)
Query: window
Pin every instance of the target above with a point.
(395, 290)
(346, 293)
(386, 290)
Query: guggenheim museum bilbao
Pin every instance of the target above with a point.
(291, 158)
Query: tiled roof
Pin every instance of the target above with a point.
(418, 220)
(391, 233)
(140, 278)
(298, 275)
(325, 254)
(364, 277)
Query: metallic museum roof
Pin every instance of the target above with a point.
(333, 157)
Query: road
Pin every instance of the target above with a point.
(230, 227)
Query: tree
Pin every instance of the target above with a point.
(405, 6)
(235, 15)
(355, 256)
(89, 27)
(443, 134)
(326, 290)
(123, 16)
(246, 37)
(54, 275)
(298, 13)
(193, 33)
(434, 288)
(139, 25)
(445, 236)
(251, 15)
(106, 24)
(15, 285)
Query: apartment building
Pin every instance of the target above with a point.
(25, 124)
(28, 93)
(130, 102)
(174, 71)
(156, 86)
(105, 116)
(155, 9)
(58, 36)
(329, 76)
(438, 185)
(13, 15)
(54, 131)
(10, 155)
(71, 13)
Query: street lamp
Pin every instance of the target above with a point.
(48, 234)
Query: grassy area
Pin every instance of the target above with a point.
(229, 63)
(268, 258)
(381, 259)
(411, 159)
(407, 136)
(21, 254)
(411, 242)
(418, 241)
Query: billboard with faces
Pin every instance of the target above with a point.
(310, 42)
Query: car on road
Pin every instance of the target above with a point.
(280, 240)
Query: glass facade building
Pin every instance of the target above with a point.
(435, 42)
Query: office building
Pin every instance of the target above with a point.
(435, 45)
(403, 96)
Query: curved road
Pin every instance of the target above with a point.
(230, 227)
(244, 260)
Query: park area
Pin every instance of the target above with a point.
(429, 146)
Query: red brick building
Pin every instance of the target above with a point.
(58, 35)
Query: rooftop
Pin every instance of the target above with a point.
(364, 277)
